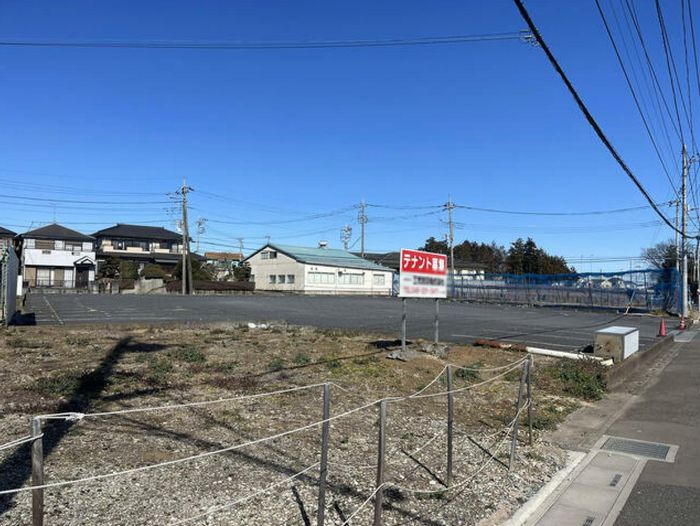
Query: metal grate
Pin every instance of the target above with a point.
(635, 447)
(589, 521)
(615, 480)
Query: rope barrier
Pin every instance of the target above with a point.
(455, 391)
(481, 468)
(262, 491)
(78, 416)
(20, 441)
(489, 369)
(357, 510)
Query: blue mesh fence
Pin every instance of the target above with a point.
(646, 290)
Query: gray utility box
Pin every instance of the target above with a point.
(618, 343)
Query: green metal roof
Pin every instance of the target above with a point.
(325, 256)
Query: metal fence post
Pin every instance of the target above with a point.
(437, 320)
(450, 424)
(381, 449)
(403, 324)
(325, 435)
(521, 390)
(37, 473)
(530, 365)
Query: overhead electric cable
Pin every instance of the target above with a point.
(587, 114)
(633, 93)
(657, 84)
(263, 45)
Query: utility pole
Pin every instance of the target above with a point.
(451, 235)
(240, 246)
(677, 237)
(187, 284)
(684, 247)
(362, 219)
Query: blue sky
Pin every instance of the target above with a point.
(267, 136)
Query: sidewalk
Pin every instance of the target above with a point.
(652, 479)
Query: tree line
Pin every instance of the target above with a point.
(522, 257)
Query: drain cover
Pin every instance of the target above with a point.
(589, 521)
(637, 447)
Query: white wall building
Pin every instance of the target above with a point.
(56, 256)
(316, 271)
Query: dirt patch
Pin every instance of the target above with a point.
(46, 370)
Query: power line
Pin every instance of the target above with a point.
(671, 68)
(658, 90)
(81, 201)
(632, 92)
(587, 114)
(524, 36)
(532, 213)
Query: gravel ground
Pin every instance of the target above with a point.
(416, 446)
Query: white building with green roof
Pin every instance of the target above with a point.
(322, 270)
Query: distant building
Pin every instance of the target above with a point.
(223, 263)
(58, 257)
(140, 244)
(6, 238)
(316, 271)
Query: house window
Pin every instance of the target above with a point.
(272, 279)
(44, 244)
(118, 244)
(74, 247)
(378, 279)
(352, 279)
(273, 254)
(290, 279)
(280, 278)
(321, 278)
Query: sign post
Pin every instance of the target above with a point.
(423, 275)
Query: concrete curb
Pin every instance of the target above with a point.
(619, 373)
(527, 510)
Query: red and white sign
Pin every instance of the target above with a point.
(423, 274)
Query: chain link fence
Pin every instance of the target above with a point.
(638, 290)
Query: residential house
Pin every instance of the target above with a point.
(319, 270)
(58, 257)
(6, 238)
(223, 263)
(140, 244)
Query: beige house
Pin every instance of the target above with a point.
(141, 244)
(321, 270)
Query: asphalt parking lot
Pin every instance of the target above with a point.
(557, 329)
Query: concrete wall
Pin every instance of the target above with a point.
(9, 267)
(344, 280)
(282, 265)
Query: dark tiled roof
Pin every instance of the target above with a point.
(56, 231)
(158, 257)
(139, 232)
(4, 232)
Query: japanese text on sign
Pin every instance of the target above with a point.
(423, 274)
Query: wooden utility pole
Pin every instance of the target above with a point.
(187, 283)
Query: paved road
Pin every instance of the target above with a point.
(459, 322)
(668, 412)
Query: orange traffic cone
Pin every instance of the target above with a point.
(682, 324)
(662, 327)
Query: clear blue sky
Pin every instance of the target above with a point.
(287, 134)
